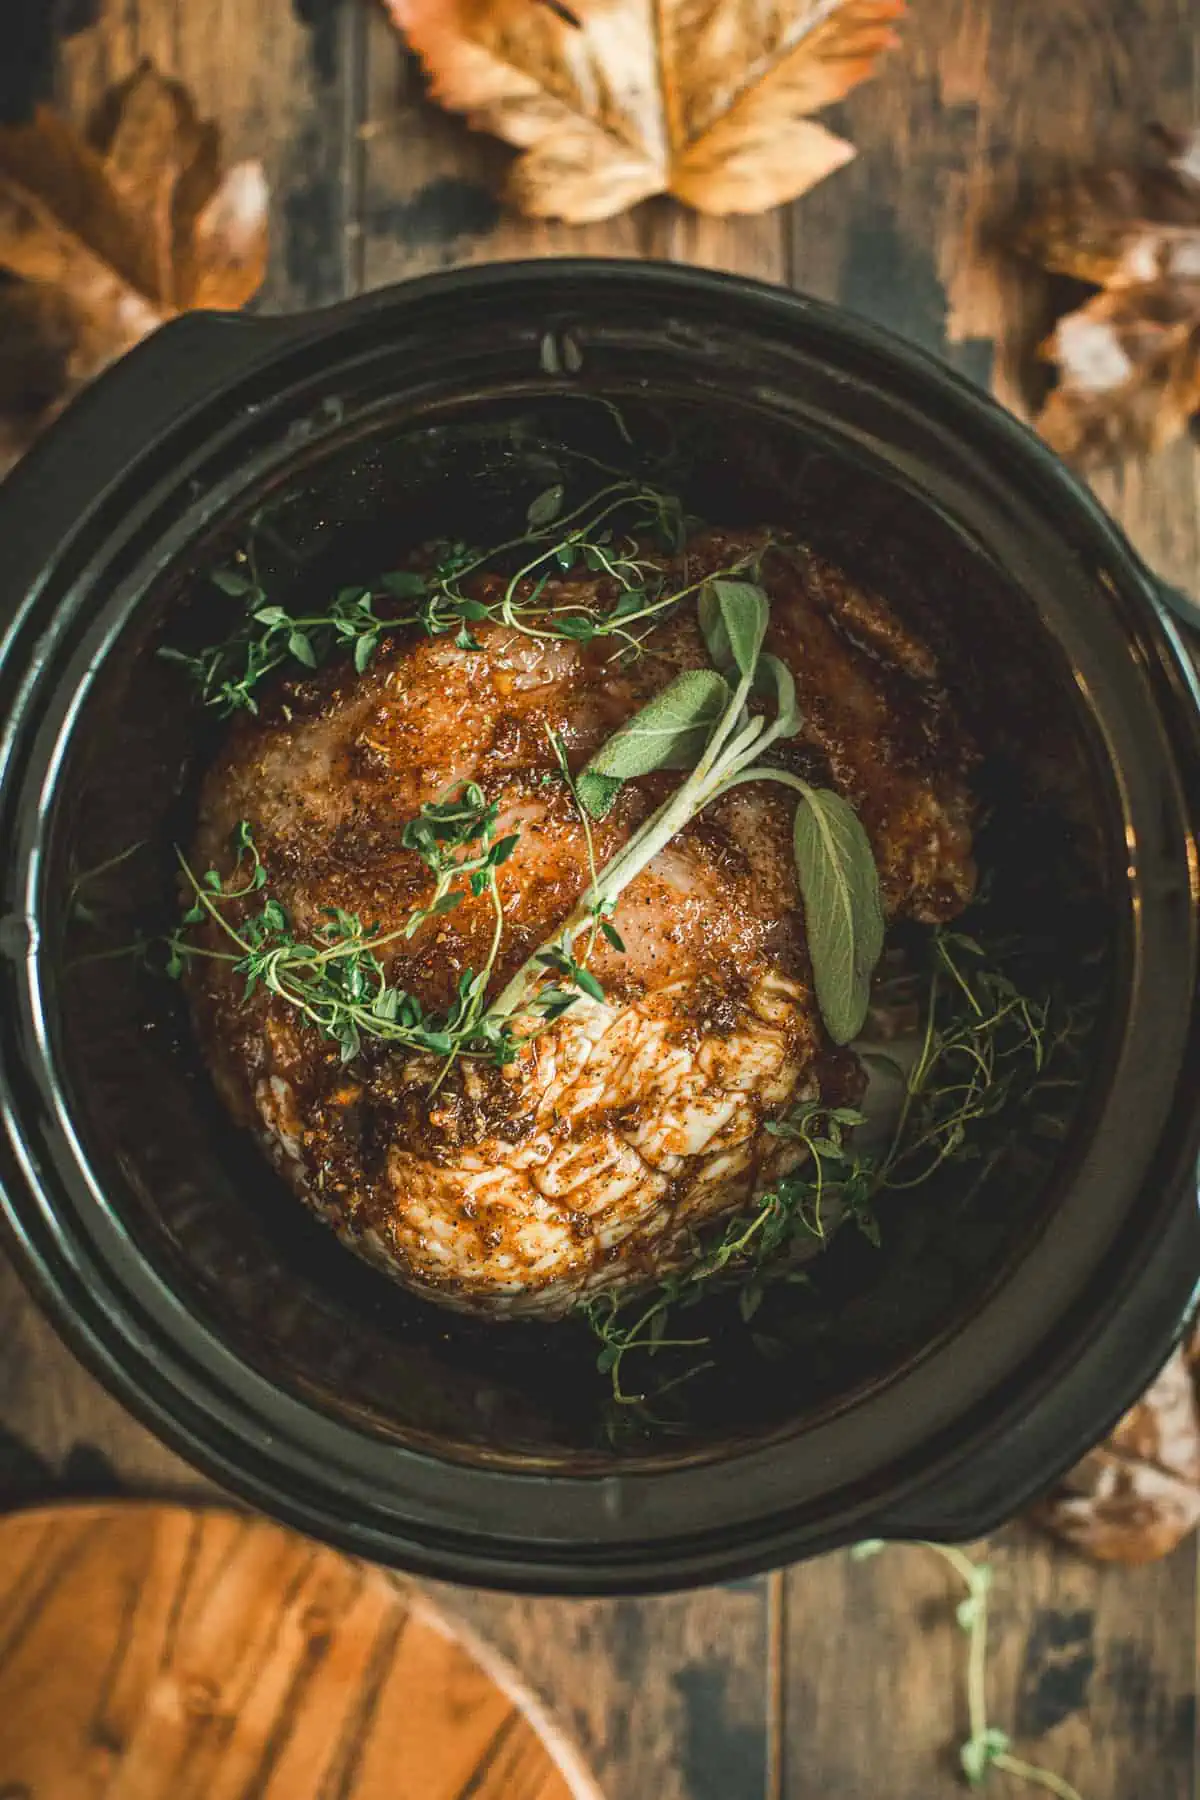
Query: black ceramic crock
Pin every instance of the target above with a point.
(952, 1378)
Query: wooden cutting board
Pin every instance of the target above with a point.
(170, 1653)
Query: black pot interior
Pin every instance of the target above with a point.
(197, 1196)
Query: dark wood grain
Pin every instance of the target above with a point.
(667, 1697)
(986, 102)
(59, 1430)
(1091, 1672)
(845, 1684)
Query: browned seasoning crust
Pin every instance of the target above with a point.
(633, 1120)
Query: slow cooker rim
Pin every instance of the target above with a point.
(941, 373)
(915, 1508)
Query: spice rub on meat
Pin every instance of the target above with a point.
(589, 1161)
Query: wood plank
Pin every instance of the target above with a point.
(281, 77)
(664, 1697)
(59, 1430)
(1091, 1672)
(983, 102)
(1096, 1667)
(873, 1672)
(160, 1653)
(667, 1699)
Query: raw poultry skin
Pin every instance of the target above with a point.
(592, 1159)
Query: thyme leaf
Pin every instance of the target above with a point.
(335, 975)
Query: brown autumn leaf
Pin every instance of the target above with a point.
(1137, 1496)
(612, 101)
(110, 235)
(1128, 359)
(37, 332)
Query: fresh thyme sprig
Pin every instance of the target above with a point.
(226, 674)
(764, 1245)
(336, 977)
(987, 1747)
(982, 1042)
(621, 532)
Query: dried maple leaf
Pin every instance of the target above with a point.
(1137, 1496)
(1128, 360)
(611, 101)
(110, 237)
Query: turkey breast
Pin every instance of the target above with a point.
(590, 1160)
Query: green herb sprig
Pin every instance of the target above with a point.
(763, 1246)
(226, 675)
(987, 1747)
(701, 722)
(613, 534)
(982, 1044)
(336, 977)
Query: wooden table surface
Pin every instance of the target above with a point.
(836, 1680)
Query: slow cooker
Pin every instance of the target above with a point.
(941, 1381)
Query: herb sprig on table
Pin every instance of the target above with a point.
(626, 534)
(982, 1044)
(987, 1747)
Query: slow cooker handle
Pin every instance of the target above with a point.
(178, 367)
(123, 415)
(181, 365)
(1042, 1441)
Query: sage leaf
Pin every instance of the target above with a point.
(773, 680)
(843, 913)
(597, 793)
(545, 509)
(733, 618)
(669, 732)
